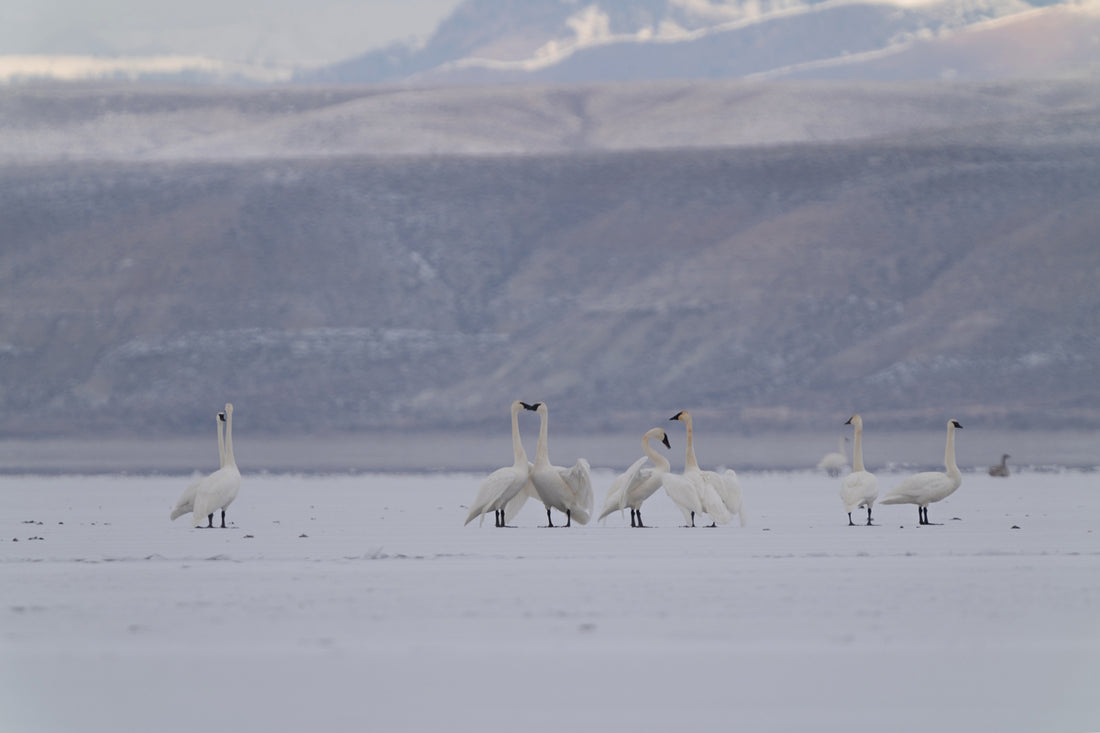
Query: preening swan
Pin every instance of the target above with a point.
(186, 502)
(219, 489)
(704, 483)
(636, 484)
(835, 463)
(504, 484)
(569, 490)
(926, 488)
(860, 487)
(1002, 468)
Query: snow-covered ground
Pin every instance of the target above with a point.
(360, 602)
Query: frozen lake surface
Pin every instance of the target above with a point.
(360, 602)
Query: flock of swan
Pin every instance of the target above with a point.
(695, 492)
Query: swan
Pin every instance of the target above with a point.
(925, 488)
(1001, 469)
(636, 484)
(860, 487)
(834, 463)
(187, 499)
(219, 489)
(704, 483)
(504, 484)
(569, 490)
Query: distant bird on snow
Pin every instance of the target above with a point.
(835, 463)
(1001, 469)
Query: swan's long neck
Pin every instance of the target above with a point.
(857, 450)
(690, 464)
(659, 460)
(221, 442)
(949, 453)
(229, 459)
(542, 453)
(517, 444)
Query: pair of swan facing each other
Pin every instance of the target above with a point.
(217, 490)
(504, 491)
(860, 487)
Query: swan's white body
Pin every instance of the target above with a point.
(729, 491)
(186, 502)
(632, 487)
(704, 483)
(219, 489)
(504, 484)
(929, 487)
(860, 487)
(834, 463)
(569, 490)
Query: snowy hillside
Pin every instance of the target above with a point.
(503, 40)
(940, 257)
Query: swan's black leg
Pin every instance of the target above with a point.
(210, 521)
(632, 524)
(922, 512)
(223, 519)
(693, 519)
(868, 516)
(640, 518)
(850, 522)
(549, 521)
(568, 518)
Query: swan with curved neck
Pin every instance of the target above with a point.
(708, 485)
(1001, 469)
(569, 490)
(186, 502)
(632, 487)
(504, 484)
(834, 463)
(219, 489)
(929, 487)
(860, 487)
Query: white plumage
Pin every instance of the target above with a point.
(835, 463)
(504, 484)
(219, 489)
(860, 487)
(569, 490)
(632, 487)
(704, 483)
(929, 487)
(186, 502)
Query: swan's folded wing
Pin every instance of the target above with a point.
(186, 502)
(631, 478)
(731, 494)
(712, 500)
(579, 480)
(511, 509)
(917, 489)
(494, 485)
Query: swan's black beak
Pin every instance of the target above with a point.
(665, 441)
(533, 407)
(848, 421)
(221, 416)
(956, 424)
(677, 415)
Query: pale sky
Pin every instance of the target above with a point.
(292, 33)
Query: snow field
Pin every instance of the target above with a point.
(390, 615)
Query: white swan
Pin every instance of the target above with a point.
(860, 487)
(1001, 469)
(835, 463)
(928, 487)
(503, 484)
(705, 484)
(636, 484)
(186, 502)
(569, 490)
(219, 489)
